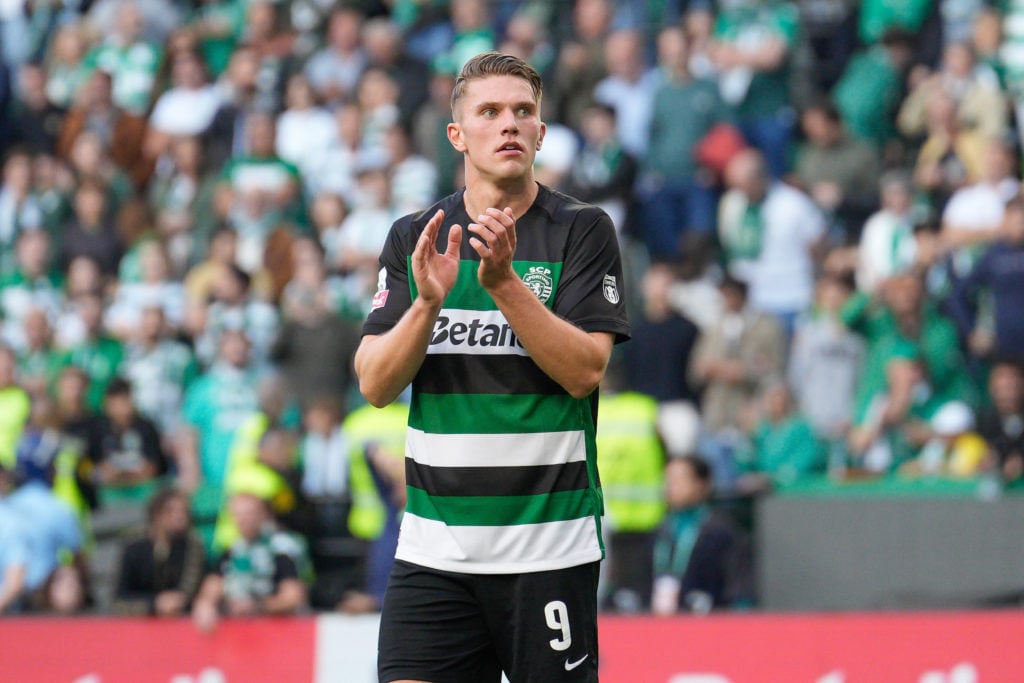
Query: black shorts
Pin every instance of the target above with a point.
(444, 627)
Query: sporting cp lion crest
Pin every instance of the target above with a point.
(538, 279)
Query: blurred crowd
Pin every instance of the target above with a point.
(818, 204)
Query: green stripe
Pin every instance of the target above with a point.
(501, 510)
(467, 293)
(497, 413)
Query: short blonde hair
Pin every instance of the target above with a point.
(495, 64)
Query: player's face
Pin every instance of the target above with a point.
(498, 127)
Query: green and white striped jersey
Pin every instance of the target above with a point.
(500, 460)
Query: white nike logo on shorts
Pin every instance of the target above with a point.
(569, 666)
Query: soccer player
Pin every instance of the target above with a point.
(500, 304)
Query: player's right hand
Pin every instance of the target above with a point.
(435, 272)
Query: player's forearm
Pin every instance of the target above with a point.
(572, 357)
(386, 364)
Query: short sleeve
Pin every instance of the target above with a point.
(591, 291)
(393, 296)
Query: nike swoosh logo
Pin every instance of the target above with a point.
(569, 666)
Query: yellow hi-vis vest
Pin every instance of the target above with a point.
(385, 427)
(631, 461)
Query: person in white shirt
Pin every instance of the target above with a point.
(187, 108)
(303, 128)
(887, 243)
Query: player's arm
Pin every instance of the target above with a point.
(574, 358)
(387, 363)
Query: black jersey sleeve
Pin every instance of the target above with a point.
(393, 296)
(590, 291)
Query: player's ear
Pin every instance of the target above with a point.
(543, 130)
(455, 137)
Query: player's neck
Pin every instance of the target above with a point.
(482, 194)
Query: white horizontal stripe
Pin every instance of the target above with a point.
(495, 450)
(479, 333)
(498, 549)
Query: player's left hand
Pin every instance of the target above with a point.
(495, 241)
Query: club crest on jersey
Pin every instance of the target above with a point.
(538, 279)
(610, 289)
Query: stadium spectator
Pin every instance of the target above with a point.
(187, 107)
(581, 63)
(839, 173)
(93, 350)
(997, 277)
(217, 24)
(91, 233)
(603, 173)
(160, 573)
(38, 358)
(234, 307)
(129, 57)
(702, 561)
(214, 407)
(752, 50)
(241, 94)
(413, 177)
(31, 284)
(674, 195)
(160, 369)
(770, 233)
(980, 106)
(52, 575)
(334, 70)
(868, 93)
(887, 244)
(1002, 424)
(258, 575)
(35, 119)
(19, 211)
(65, 73)
(156, 287)
(315, 345)
(951, 157)
(729, 362)
(825, 362)
(386, 50)
(129, 457)
(783, 446)
(657, 359)
(629, 88)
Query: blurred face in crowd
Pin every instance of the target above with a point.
(958, 60)
(151, 324)
(261, 21)
(250, 514)
(818, 127)
(777, 402)
(234, 348)
(683, 488)
(34, 252)
(591, 18)
(623, 53)
(468, 15)
(71, 387)
(343, 30)
(382, 40)
(277, 450)
(348, 120)
(224, 247)
(657, 282)
(129, 21)
(747, 173)
(153, 264)
(89, 308)
(1006, 387)
(300, 95)
(188, 71)
(173, 518)
(999, 161)
(904, 294)
(734, 299)
(88, 154)
(68, 45)
(89, 205)
(832, 294)
(328, 211)
(598, 126)
(376, 89)
(320, 420)
(260, 129)
(187, 153)
(673, 50)
(18, 174)
(84, 276)
(897, 196)
(243, 68)
(119, 408)
(36, 327)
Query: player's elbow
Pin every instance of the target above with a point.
(585, 384)
(374, 394)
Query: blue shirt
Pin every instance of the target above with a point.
(48, 525)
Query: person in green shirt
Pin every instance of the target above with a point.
(131, 60)
(784, 447)
(753, 43)
(97, 354)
